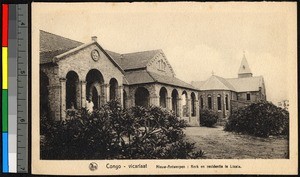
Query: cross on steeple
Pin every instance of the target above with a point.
(212, 73)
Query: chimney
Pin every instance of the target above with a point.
(94, 38)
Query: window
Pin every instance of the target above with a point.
(219, 102)
(226, 102)
(201, 102)
(248, 96)
(162, 65)
(209, 102)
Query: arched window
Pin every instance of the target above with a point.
(201, 102)
(219, 102)
(209, 102)
(226, 102)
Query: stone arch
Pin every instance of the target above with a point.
(44, 93)
(163, 93)
(193, 104)
(113, 89)
(175, 98)
(142, 97)
(94, 92)
(184, 103)
(72, 90)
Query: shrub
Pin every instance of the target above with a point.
(259, 119)
(113, 133)
(208, 118)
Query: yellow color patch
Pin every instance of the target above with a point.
(4, 68)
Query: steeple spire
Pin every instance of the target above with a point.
(244, 70)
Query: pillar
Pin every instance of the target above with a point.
(83, 93)
(105, 96)
(154, 100)
(189, 110)
(120, 95)
(62, 98)
(179, 107)
(54, 101)
(169, 103)
(197, 109)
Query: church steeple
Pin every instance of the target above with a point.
(244, 70)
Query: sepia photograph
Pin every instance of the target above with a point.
(174, 88)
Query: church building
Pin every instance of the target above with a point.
(72, 72)
(224, 95)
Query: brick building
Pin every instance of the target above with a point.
(223, 95)
(72, 72)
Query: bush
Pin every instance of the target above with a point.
(208, 118)
(113, 133)
(259, 119)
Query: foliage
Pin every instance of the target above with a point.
(259, 119)
(113, 133)
(208, 118)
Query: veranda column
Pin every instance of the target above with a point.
(154, 100)
(197, 110)
(169, 103)
(120, 95)
(83, 93)
(62, 98)
(179, 107)
(105, 88)
(189, 112)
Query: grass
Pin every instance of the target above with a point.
(219, 144)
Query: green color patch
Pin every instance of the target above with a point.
(4, 110)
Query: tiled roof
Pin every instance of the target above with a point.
(171, 80)
(216, 83)
(246, 84)
(52, 45)
(136, 60)
(138, 77)
(144, 77)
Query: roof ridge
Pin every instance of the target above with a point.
(141, 51)
(61, 36)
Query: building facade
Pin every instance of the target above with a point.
(72, 72)
(224, 95)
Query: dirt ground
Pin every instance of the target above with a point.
(219, 144)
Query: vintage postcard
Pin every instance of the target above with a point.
(164, 88)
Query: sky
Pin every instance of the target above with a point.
(197, 38)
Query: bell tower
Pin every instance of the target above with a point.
(244, 70)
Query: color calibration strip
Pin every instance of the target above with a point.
(12, 90)
(5, 166)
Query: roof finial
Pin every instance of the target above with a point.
(244, 54)
(212, 73)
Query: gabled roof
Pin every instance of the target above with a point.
(244, 67)
(136, 60)
(145, 77)
(52, 45)
(216, 83)
(247, 84)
